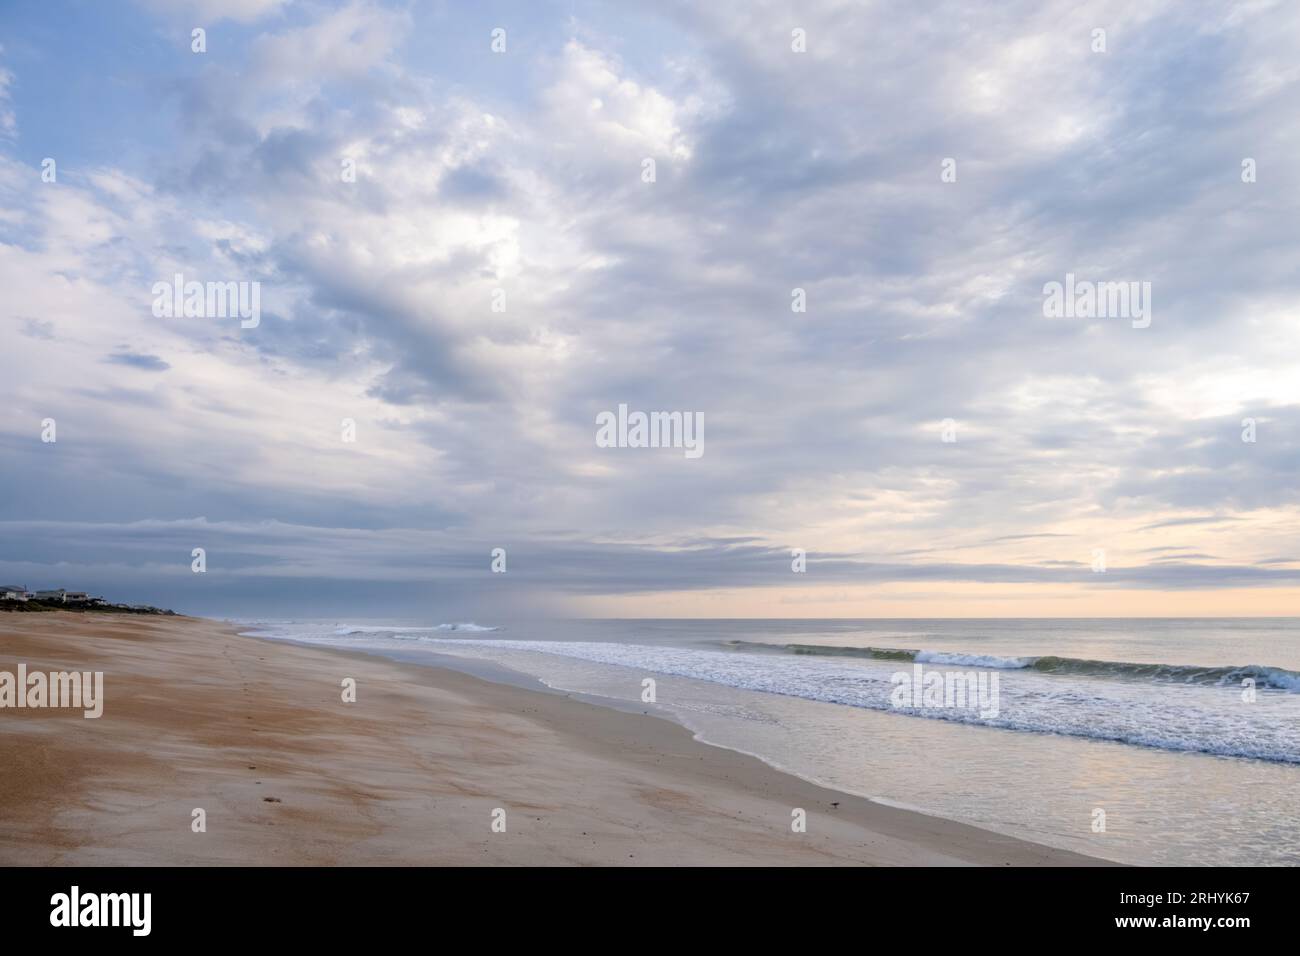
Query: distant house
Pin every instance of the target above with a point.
(57, 596)
(62, 596)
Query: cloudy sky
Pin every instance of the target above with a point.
(500, 272)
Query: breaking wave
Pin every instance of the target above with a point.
(1275, 678)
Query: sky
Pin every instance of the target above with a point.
(839, 266)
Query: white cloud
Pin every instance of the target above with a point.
(595, 108)
(205, 12)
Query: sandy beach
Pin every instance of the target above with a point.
(257, 735)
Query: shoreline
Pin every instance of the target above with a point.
(254, 732)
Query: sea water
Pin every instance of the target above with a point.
(1171, 741)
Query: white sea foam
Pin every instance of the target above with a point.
(1202, 719)
(973, 660)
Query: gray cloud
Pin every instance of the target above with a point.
(404, 566)
(147, 363)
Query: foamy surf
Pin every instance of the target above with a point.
(1274, 678)
(1206, 718)
(357, 629)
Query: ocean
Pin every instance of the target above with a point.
(1147, 741)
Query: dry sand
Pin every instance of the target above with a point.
(257, 735)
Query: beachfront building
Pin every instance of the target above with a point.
(10, 592)
(56, 596)
(62, 597)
